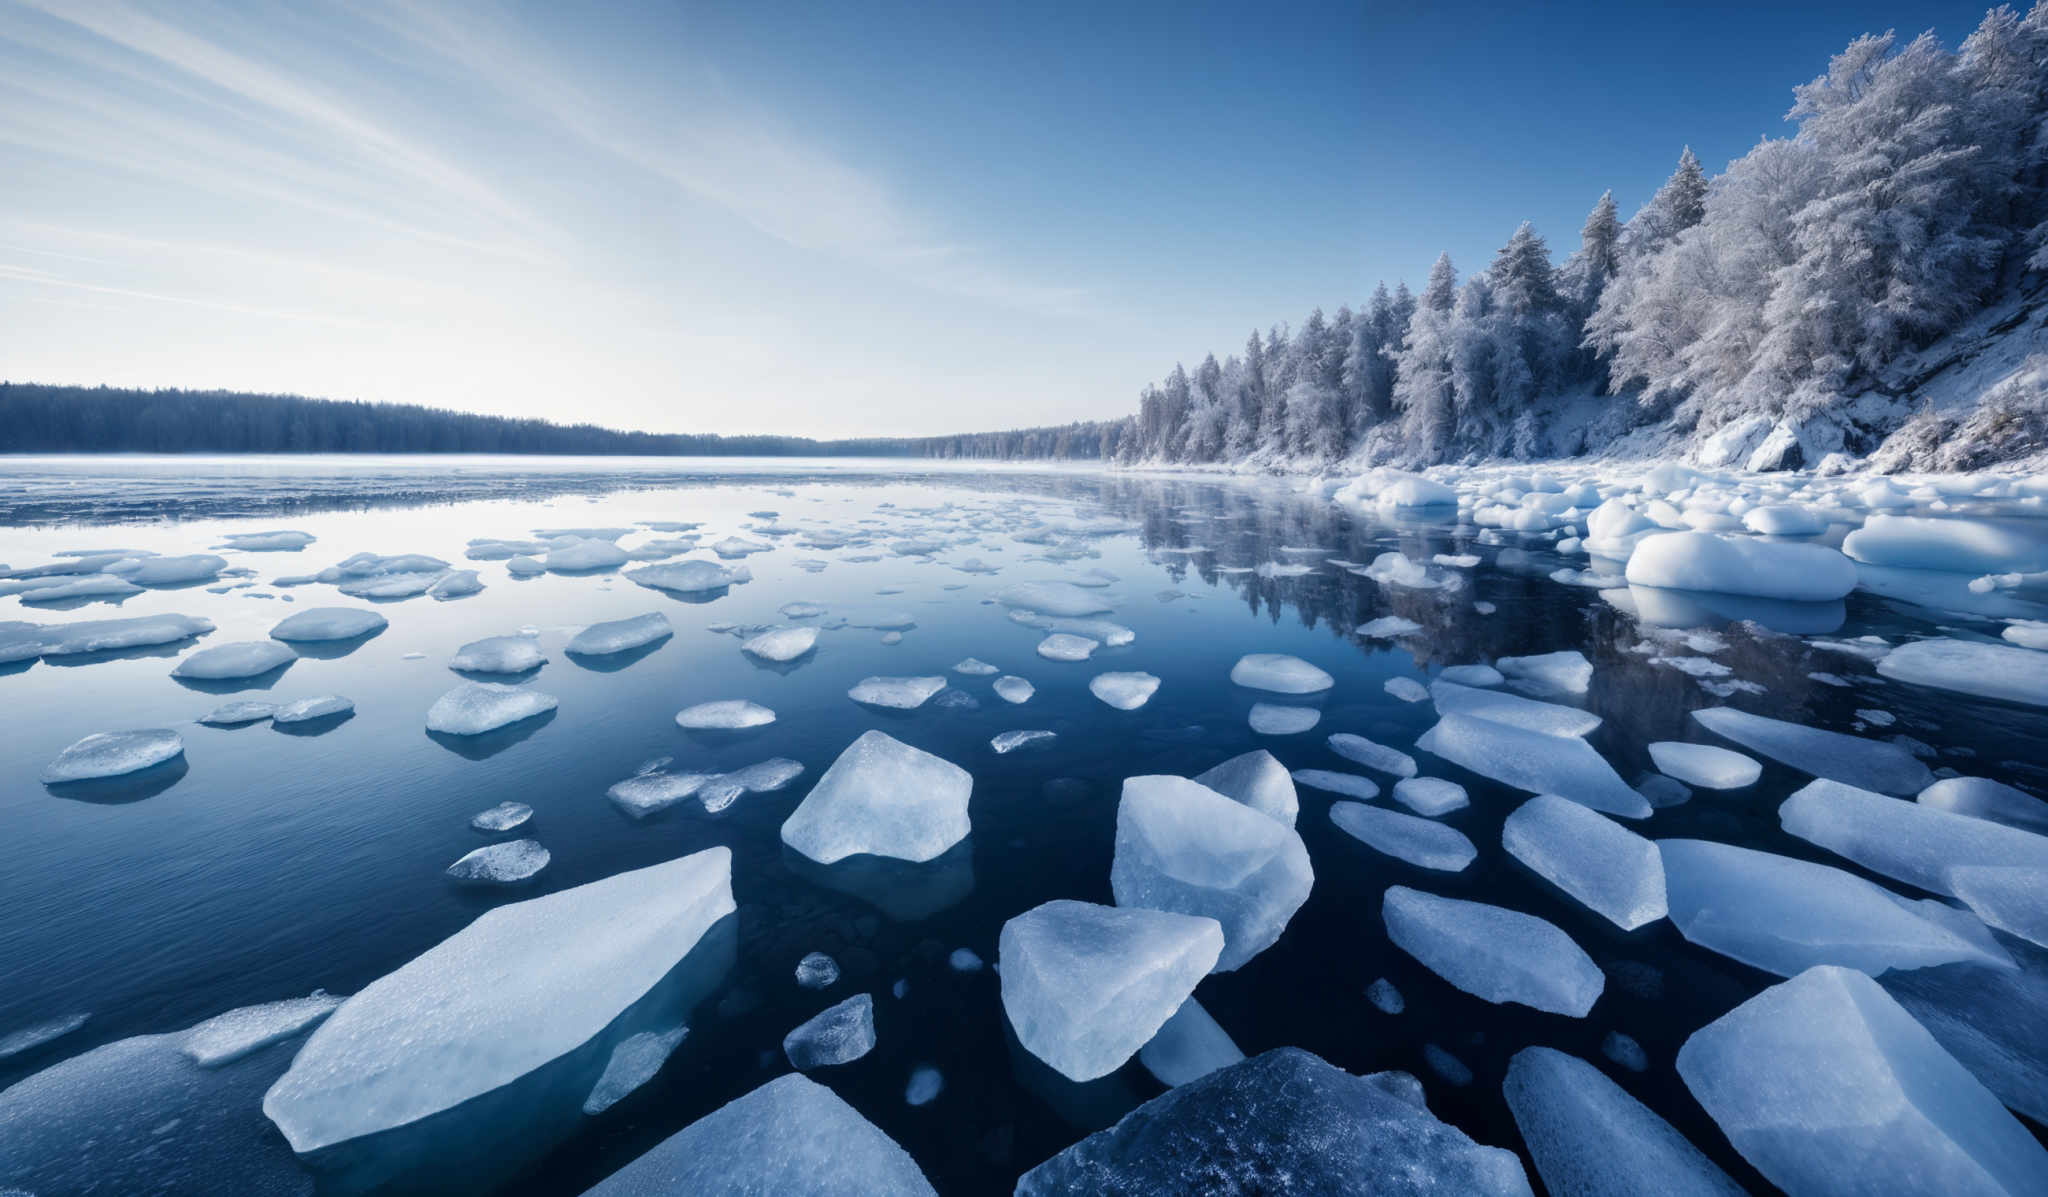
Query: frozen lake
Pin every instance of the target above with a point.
(270, 862)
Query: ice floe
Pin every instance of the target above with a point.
(1743, 565)
(1534, 761)
(1372, 755)
(1546, 675)
(1492, 952)
(1064, 646)
(1013, 690)
(329, 623)
(1918, 844)
(896, 693)
(1010, 741)
(781, 644)
(1553, 719)
(1124, 691)
(1431, 796)
(234, 662)
(1589, 1137)
(632, 1064)
(474, 708)
(1983, 798)
(839, 1034)
(689, 577)
(238, 712)
(1362, 788)
(882, 798)
(498, 654)
(1191, 1045)
(1279, 719)
(1421, 842)
(1852, 760)
(726, 714)
(307, 710)
(621, 635)
(1704, 765)
(1982, 668)
(1280, 674)
(1257, 780)
(1607, 868)
(1053, 598)
(113, 754)
(503, 817)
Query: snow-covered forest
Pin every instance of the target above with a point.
(1805, 301)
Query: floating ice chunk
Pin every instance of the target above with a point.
(267, 542)
(1277, 719)
(1784, 915)
(112, 754)
(1990, 1020)
(1431, 796)
(975, 668)
(1190, 1046)
(1606, 867)
(228, 1037)
(964, 960)
(1384, 997)
(1827, 1085)
(738, 546)
(2014, 900)
(329, 623)
(13, 1043)
(648, 793)
(1371, 755)
(1010, 741)
(621, 635)
(1588, 1136)
(503, 817)
(1919, 845)
(1014, 690)
(1785, 519)
(790, 1136)
(817, 971)
(528, 567)
(726, 714)
(925, 1085)
(501, 864)
(1386, 627)
(1976, 667)
(1257, 780)
(1972, 546)
(1625, 1051)
(524, 984)
(306, 710)
(689, 577)
(1471, 675)
(474, 708)
(241, 711)
(1420, 842)
(1064, 646)
(1852, 760)
(86, 586)
(581, 555)
(1124, 691)
(2027, 633)
(1493, 953)
(1705, 765)
(896, 693)
(1533, 761)
(1053, 598)
(1280, 673)
(1281, 1122)
(499, 654)
(1363, 788)
(839, 1034)
(232, 662)
(1407, 689)
(1552, 719)
(632, 1064)
(170, 571)
(1183, 847)
(1086, 986)
(883, 798)
(781, 644)
(1744, 565)
(1983, 798)
(1549, 674)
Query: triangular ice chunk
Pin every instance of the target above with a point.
(882, 798)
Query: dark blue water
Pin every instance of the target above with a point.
(275, 864)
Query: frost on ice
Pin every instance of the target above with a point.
(524, 984)
(1280, 674)
(1183, 847)
(1493, 953)
(1610, 869)
(725, 714)
(1533, 761)
(1852, 760)
(1588, 1136)
(1827, 1085)
(113, 754)
(1086, 986)
(474, 708)
(882, 798)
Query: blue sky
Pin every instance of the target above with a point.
(819, 218)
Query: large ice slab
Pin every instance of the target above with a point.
(1492, 952)
(1827, 1085)
(474, 708)
(1259, 781)
(522, 985)
(1183, 847)
(1552, 719)
(1284, 1122)
(790, 1136)
(112, 754)
(621, 635)
(233, 662)
(170, 571)
(1971, 546)
(572, 555)
(1745, 565)
(1086, 986)
(1983, 798)
(99, 635)
(1919, 845)
(882, 798)
(1978, 667)
(1785, 915)
(1591, 1139)
(1852, 760)
(1994, 1021)
(1608, 868)
(1280, 673)
(1534, 761)
(1421, 842)
(329, 623)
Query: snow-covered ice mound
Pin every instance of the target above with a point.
(1827, 1085)
(882, 798)
(329, 623)
(1851, 760)
(1534, 761)
(1183, 847)
(1608, 868)
(1704, 765)
(781, 644)
(233, 662)
(1284, 1122)
(501, 864)
(499, 654)
(621, 635)
(1280, 673)
(1493, 953)
(896, 693)
(1257, 780)
(521, 986)
(1421, 842)
(837, 1035)
(474, 708)
(726, 714)
(1745, 565)
(1086, 986)
(1124, 691)
(790, 1136)
(1972, 546)
(113, 754)
(1977, 667)
(1588, 1136)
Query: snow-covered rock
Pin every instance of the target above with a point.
(882, 798)
(1493, 953)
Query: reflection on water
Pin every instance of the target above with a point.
(257, 866)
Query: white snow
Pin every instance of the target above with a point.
(1704, 765)
(1421, 842)
(621, 635)
(1493, 953)
(883, 798)
(112, 754)
(329, 623)
(896, 693)
(1124, 691)
(726, 714)
(1533, 761)
(1988, 670)
(474, 708)
(1280, 674)
(1744, 565)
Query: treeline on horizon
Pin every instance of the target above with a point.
(1913, 195)
(36, 418)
